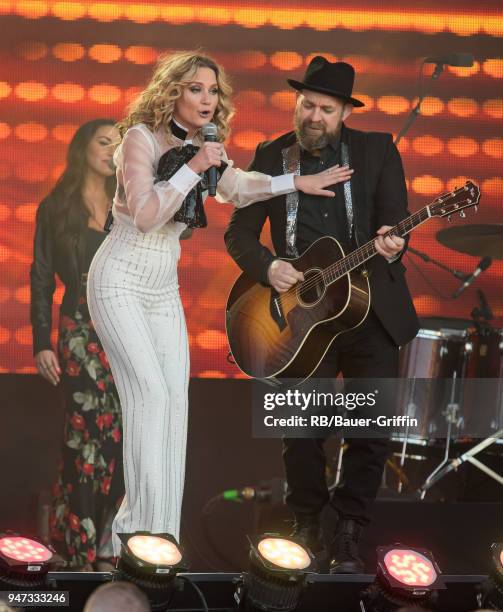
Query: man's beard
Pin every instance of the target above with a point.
(312, 141)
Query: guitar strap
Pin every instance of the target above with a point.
(291, 164)
(348, 196)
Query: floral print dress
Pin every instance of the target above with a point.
(90, 482)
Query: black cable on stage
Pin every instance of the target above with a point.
(204, 603)
(206, 513)
(192, 542)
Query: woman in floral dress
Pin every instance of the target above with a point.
(69, 231)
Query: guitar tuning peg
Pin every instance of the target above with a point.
(462, 214)
(449, 218)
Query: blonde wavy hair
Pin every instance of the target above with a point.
(155, 105)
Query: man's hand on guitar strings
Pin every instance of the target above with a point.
(282, 275)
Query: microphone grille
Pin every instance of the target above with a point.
(485, 263)
(210, 129)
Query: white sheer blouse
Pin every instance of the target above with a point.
(150, 207)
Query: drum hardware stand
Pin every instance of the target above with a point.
(484, 312)
(469, 456)
(399, 472)
(411, 410)
(481, 316)
(391, 463)
(451, 416)
(402, 459)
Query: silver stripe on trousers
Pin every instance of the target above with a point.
(136, 310)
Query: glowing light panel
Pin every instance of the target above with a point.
(155, 550)
(24, 549)
(284, 553)
(410, 567)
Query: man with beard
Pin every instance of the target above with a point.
(366, 206)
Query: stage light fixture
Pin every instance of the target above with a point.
(277, 576)
(491, 595)
(152, 562)
(24, 562)
(405, 577)
(497, 551)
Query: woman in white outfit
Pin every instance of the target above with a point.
(132, 284)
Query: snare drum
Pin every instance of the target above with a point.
(436, 359)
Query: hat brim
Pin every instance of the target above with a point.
(324, 90)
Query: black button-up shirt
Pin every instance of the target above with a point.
(317, 215)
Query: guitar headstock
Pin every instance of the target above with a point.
(456, 201)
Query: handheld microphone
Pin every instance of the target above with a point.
(483, 264)
(453, 59)
(210, 133)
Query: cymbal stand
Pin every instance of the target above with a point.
(481, 317)
(451, 416)
(411, 411)
(469, 457)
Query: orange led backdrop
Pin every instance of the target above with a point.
(64, 63)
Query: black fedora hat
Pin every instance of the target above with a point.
(331, 78)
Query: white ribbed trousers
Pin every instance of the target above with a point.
(136, 310)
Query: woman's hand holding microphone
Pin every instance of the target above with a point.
(210, 154)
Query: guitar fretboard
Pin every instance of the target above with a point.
(368, 250)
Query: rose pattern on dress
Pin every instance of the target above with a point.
(92, 453)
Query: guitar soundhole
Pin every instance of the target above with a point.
(310, 292)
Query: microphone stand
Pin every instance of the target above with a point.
(459, 275)
(482, 315)
(439, 68)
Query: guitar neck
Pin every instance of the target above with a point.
(367, 251)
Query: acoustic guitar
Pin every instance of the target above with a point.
(285, 335)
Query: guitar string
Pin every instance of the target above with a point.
(366, 246)
(342, 267)
(351, 261)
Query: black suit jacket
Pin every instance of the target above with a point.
(379, 198)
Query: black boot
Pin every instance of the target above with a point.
(344, 549)
(306, 530)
